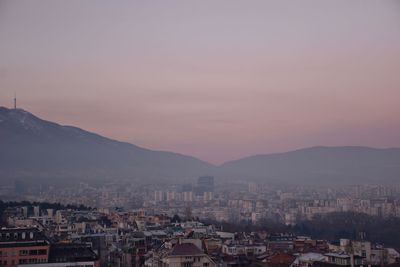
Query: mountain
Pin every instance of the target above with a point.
(32, 149)
(321, 165)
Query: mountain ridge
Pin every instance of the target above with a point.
(36, 149)
(311, 148)
(78, 129)
(35, 145)
(342, 164)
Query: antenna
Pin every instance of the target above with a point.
(15, 101)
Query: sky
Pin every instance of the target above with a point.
(218, 80)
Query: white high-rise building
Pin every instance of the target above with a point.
(188, 196)
(50, 213)
(36, 211)
(158, 196)
(207, 196)
(25, 211)
(59, 217)
(171, 196)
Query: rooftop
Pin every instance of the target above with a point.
(185, 249)
(22, 237)
(71, 253)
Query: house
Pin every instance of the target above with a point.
(186, 255)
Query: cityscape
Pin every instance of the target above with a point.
(225, 133)
(249, 202)
(199, 224)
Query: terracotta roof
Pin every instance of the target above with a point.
(185, 249)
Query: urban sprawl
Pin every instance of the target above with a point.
(122, 224)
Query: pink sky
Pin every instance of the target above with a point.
(218, 80)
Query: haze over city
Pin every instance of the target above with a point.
(218, 80)
(204, 133)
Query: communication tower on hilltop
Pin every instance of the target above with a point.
(15, 101)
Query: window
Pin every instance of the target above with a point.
(42, 252)
(23, 252)
(206, 264)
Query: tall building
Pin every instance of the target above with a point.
(204, 184)
(25, 212)
(59, 216)
(158, 196)
(170, 195)
(187, 193)
(253, 187)
(207, 196)
(50, 213)
(23, 246)
(187, 196)
(36, 211)
(30, 247)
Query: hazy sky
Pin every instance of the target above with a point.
(214, 79)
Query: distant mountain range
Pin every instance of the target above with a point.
(321, 165)
(35, 151)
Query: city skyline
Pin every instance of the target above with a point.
(205, 133)
(233, 80)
